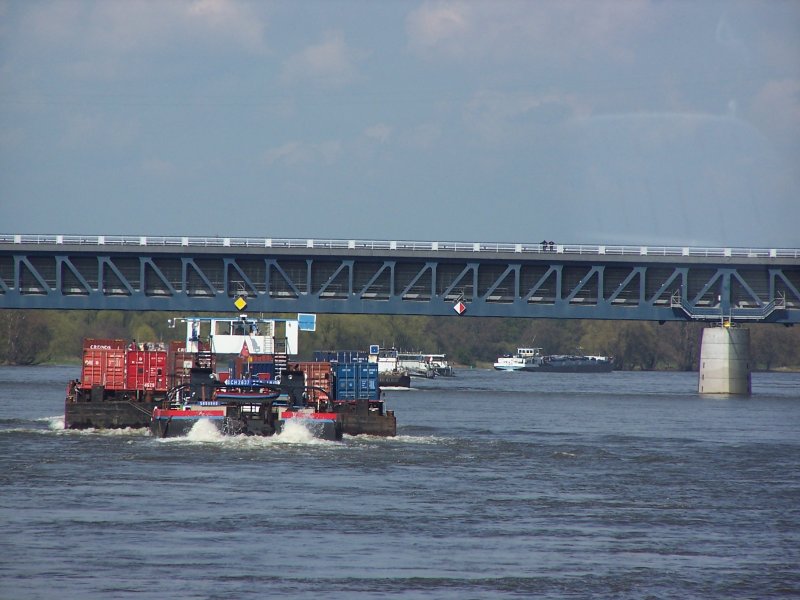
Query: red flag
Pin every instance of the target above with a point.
(245, 352)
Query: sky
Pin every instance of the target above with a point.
(582, 122)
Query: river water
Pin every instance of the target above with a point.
(499, 485)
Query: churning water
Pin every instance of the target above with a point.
(498, 485)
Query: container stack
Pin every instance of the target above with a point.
(356, 381)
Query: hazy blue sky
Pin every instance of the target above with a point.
(628, 121)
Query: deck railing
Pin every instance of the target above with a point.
(397, 245)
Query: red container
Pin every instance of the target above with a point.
(317, 375)
(103, 365)
(180, 346)
(103, 344)
(180, 362)
(146, 370)
(180, 368)
(177, 346)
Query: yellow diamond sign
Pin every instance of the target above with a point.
(240, 303)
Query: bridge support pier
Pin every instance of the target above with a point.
(725, 361)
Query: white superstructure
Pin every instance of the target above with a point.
(232, 335)
(524, 358)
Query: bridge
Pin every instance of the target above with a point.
(563, 281)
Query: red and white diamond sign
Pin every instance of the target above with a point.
(460, 307)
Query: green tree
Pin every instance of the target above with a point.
(67, 328)
(24, 337)
(774, 346)
(28, 337)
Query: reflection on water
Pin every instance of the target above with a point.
(498, 485)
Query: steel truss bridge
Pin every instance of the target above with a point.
(198, 274)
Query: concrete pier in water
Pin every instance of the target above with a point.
(725, 361)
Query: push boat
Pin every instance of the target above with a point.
(532, 360)
(248, 407)
(170, 387)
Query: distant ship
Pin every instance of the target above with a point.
(423, 365)
(439, 364)
(416, 363)
(390, 372)
(532, 359)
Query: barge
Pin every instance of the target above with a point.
(234, 372)
(532, 360)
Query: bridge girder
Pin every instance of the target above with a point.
(349, 280)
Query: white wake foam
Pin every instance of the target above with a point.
(204, 431)
(297, 431)
(55, 423)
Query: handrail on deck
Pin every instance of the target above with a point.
(396, 245)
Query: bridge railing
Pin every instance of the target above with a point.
(399, 245)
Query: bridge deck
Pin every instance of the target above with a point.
(399, 277)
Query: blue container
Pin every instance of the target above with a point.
(356, 381)
(341, 356)
(262, 367)
(324, 356)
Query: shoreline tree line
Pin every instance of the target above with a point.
(50, 336)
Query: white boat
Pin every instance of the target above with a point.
(525, 359)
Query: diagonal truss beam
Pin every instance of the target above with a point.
(545, 285)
